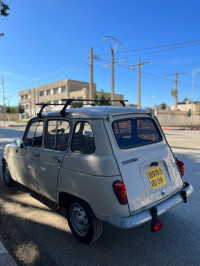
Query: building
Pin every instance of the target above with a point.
(54, 92)
(188, 106)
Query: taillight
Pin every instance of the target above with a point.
(180, 166)
(156, 226)
(120, 192)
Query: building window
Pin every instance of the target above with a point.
(41, 93)
(55, 90)
(63, 89)
(22, 97)
(26, 96)
(48, 92)
(56, 102)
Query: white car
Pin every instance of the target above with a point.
(103, 164)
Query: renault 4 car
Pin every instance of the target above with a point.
(102, 163)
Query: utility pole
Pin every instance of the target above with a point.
(91, 93)
(112, 75)
(153, 102)
(139, 79)
(194, 72)
(174, 91)
(3, 100)
(113, 49)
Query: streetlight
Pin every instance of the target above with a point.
(153, 102)
(195, 71)
(113, 50)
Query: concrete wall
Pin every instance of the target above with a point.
(188, 106)
(177, 118)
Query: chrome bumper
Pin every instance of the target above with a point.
(145, 216)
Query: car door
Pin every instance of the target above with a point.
(51, 156)
(28, 153)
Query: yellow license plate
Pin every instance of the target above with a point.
(156, 177)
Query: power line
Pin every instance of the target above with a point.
(55, 73)
(153, 75)
(159, 51)
(152, 47)
(45, 77)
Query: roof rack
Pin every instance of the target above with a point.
(45, 105)
(69, 101)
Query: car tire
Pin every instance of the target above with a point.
(6, 175)
(85, 226)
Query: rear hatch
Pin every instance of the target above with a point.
(147, 165)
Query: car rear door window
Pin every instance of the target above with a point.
(134, 132)
(83, 138)
(57, 135)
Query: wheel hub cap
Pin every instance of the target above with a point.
(79, 219)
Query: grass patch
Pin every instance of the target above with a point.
(21, 122)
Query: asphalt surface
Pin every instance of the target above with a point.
(35, 234)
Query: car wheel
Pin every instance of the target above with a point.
(85, 226)
(6, 175)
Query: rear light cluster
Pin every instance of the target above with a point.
(156, 226)
(180, 166)
(120, 192)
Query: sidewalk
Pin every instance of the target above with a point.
(5, 258)
(12, 124)
(181, 128)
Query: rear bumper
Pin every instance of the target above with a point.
(145, 216)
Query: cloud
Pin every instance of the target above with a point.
(13, 74)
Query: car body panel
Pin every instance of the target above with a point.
(90, 177)
(135, 162)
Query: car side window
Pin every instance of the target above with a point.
(57, 135)
(34, 135)
(83, 138)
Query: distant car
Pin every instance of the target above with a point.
(110, 164)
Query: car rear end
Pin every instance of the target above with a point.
(152, 180)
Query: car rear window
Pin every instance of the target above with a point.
(135, 132)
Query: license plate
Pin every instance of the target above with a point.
(156, 177)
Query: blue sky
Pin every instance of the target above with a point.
(50, 40)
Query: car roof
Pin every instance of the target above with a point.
(97, 112)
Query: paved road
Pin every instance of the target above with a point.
(35, 234)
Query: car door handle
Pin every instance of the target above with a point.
(58, 159)
(154, 164)
(36, 154)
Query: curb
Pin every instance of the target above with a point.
(5, 258)
(9, 125)
(181, 128)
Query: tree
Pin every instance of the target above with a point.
(163, 106)
(186, 99)
(4, 8)
(76, 104)
(20, 109)
(10, 110)
(102, 97)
